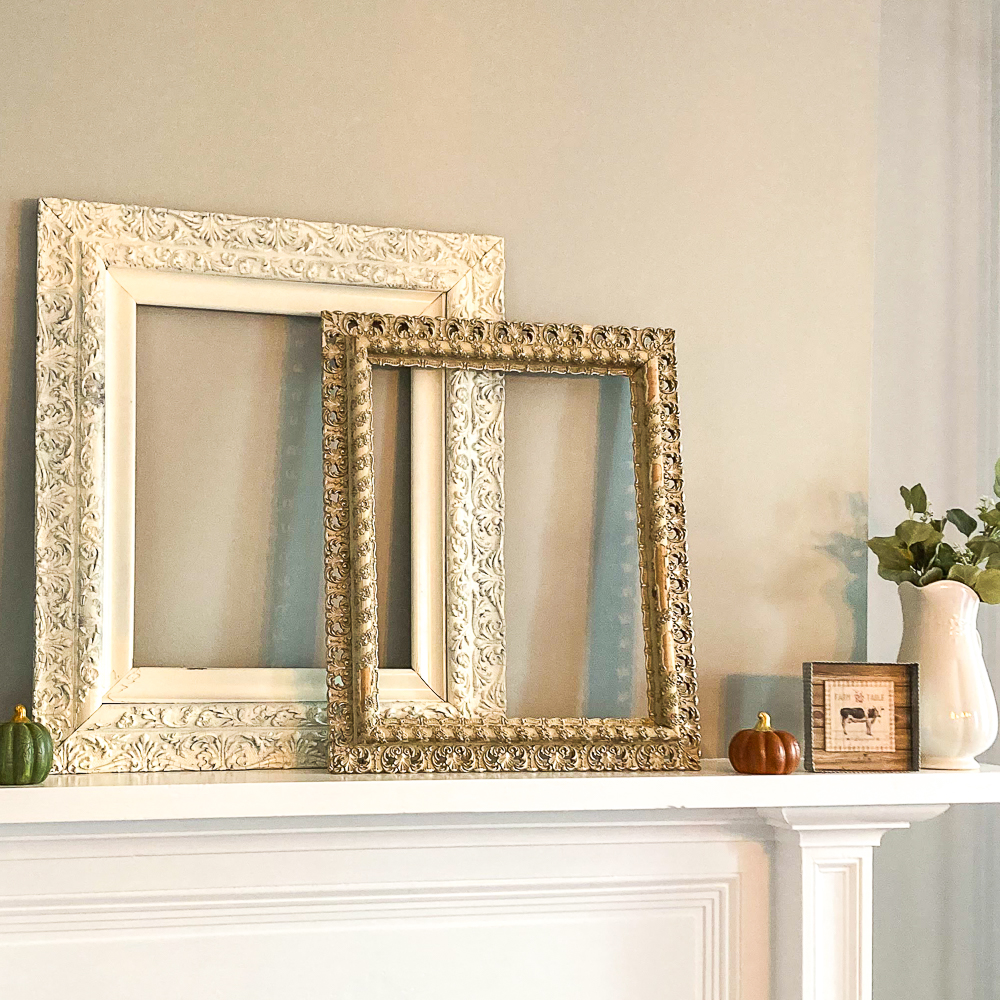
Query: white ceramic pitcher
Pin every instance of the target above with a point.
(958, 711)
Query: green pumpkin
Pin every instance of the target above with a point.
(25, 750)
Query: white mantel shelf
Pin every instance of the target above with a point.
(268, 794)
(693, 886)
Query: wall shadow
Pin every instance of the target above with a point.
(615, 601)
(292, 631)
(744, 695)
(851, 551)
(17, 555)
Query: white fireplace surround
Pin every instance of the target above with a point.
(275, 884)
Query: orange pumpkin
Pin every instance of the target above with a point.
(763, 750)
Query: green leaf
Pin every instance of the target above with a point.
(988, 586)
(945, 557)
(918, 499)
(991, 517)
(965, 523)
(892, 554)
(934, 574)
(897, 575)
(996, 478)
(909, 532)
(905, 494)
(922, 553)
(965, 574)
(982, 547)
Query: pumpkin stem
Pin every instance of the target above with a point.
(763, 723)
(20, 714)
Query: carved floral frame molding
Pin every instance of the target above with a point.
(366, 736)
(82, 246)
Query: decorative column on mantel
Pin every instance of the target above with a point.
(822, 906)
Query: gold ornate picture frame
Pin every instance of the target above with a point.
(367, 736)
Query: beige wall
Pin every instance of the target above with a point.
(701, 164)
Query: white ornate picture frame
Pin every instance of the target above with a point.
(96, 263)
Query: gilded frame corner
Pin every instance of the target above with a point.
(365, 737)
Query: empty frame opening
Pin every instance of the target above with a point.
(228, 490)
(215, 565)
(573, 600)
(391, 431)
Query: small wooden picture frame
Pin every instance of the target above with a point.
(861, 716)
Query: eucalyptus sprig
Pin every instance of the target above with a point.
(918, 553)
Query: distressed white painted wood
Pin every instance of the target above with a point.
(96, 263)
(259, 884)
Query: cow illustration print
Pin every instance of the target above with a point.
(860, 716)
